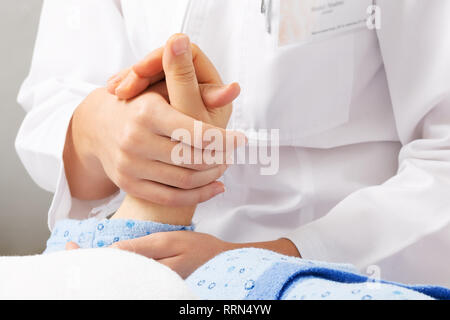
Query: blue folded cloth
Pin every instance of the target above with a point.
(258, 274)
(94, 233)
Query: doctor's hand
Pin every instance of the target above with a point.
(185, 251)
(112, 142)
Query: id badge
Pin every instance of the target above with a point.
(305, 21)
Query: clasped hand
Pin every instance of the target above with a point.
(171, 88)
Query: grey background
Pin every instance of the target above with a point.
(23, 206)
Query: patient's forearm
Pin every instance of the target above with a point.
(138, 209)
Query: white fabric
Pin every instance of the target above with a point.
(364, 123)
(89, 274)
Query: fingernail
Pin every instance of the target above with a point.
(236, 86)
(180, 45)
(115, 78)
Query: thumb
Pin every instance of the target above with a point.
(181, 80)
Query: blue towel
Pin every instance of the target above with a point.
(258, 274)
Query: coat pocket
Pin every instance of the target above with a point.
(300, 90)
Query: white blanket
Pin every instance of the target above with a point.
(89, 274)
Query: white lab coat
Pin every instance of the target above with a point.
(364, 123)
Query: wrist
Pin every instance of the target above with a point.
(84, 172)
(139, 209)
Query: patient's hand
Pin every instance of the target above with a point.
(193, 87)
(133, 81)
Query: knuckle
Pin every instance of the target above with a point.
(129, 138)
(184, 74)
(145, 113)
